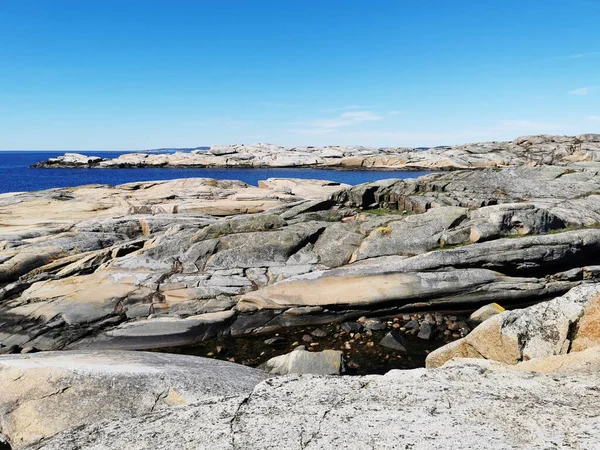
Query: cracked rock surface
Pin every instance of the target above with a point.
(167, 264)
(45, 393)
(458, 407)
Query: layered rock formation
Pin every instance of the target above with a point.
(155, 265)
(528, 150)
(158, 265)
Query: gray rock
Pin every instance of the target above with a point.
(418, 409)
(394, 340)
(301, 361)
(426, 331)
(374, 324)
(351, 327)
(45, 393)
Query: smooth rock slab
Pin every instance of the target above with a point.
(300, 361)
(461, 408)
(45, 393)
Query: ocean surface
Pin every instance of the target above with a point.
(16, 176)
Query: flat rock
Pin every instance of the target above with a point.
(45, 393)
(459, 407)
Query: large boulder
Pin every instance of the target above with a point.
(555, 327)
(45, 393)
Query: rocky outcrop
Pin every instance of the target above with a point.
(558, 327)
(458, 407)
(582, 150)
(45, 393)
(158, 265)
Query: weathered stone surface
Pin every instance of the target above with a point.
(301, 361)
(263, 256)
(587, 333)
(45, 393)
(418, 409)
(575, 363)
(538, 331)
(415, 234)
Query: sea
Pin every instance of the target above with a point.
(17, 176)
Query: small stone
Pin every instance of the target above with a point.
(306, 338)
(314, 344)
(210, 354)
(351, 327)
(452, 326)
(396, 325)
(426, 331)
(352, 365)
(487, 311)
(394, 340)
(406, 317)
(319, 332)
(412, 325)
(29, 350)
(370, 344)
(357, 336)
(276, 342)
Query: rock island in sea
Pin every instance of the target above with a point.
(89, 274)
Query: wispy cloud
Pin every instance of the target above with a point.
(347, 119)
(582, 55)
(582, 91)
(593, 118)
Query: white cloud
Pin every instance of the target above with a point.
(582, 91)
(347, 119)
(593, 118)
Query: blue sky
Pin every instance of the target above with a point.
(141, 74)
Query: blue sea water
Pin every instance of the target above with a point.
(16, 176)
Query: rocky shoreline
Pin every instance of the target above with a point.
(527, 150)
(309, 277)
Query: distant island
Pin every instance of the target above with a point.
(583, 149)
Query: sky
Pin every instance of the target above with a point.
(140, 74)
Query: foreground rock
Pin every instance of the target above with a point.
(461, 407)
(533, 150)
(45, 393)
(558, 327)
